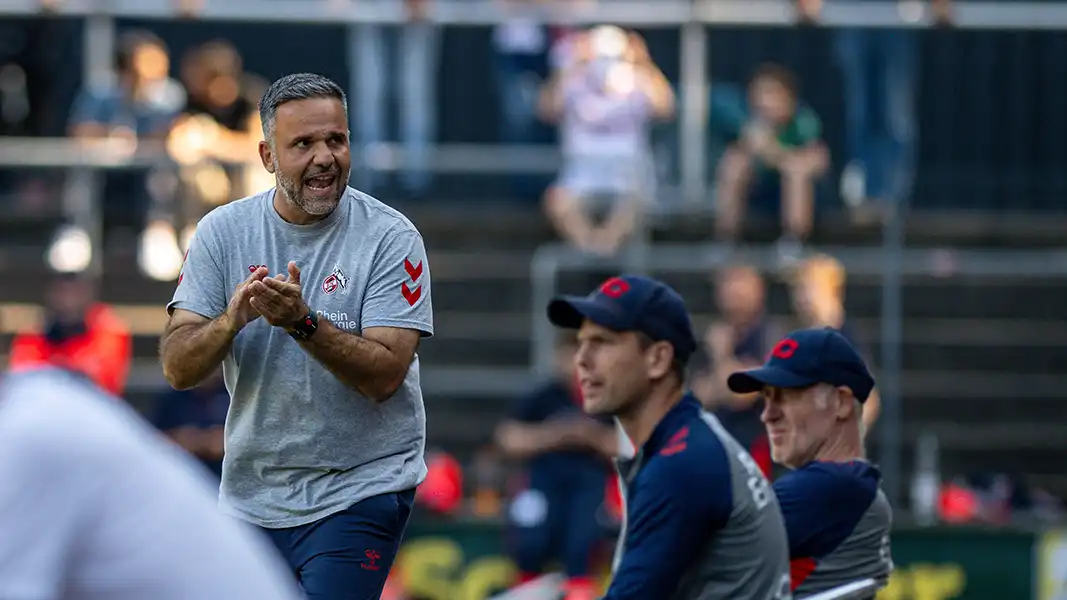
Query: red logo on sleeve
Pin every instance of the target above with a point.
(676, 443)
(413, 292)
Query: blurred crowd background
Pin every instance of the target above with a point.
(896, 170)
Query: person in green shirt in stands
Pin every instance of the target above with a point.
(775, 154)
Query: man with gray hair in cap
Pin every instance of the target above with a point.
(837, 517)
(701, 520)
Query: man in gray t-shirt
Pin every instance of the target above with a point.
(326, 428)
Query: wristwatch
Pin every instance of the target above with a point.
(305, 328)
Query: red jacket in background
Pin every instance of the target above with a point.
(103, 352)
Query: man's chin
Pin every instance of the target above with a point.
(780, 456)
(596, 408)
(318, 206)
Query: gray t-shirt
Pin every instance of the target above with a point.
(702, 522)
(301, 445)
(839, 521)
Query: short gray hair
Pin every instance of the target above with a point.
(297, 86)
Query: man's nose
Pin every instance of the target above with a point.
(581, 357)
(770, 412)
(323, 157)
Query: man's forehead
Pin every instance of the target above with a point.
(770, 390)
(590, 329)
(312, 114)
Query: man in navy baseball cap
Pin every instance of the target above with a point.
(807, 357)
(631, 303)
(814, 384)
(692, 528)
(647, 310)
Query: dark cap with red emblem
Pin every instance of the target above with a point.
(806, 357)
(631, 303)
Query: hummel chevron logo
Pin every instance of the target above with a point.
(411, 295)
(414, 271)
(414, 292)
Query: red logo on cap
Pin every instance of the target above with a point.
(785, 348)
(614, 287)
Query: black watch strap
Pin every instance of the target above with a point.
(305, 327)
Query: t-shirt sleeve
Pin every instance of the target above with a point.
(201, 284)
(821, 509)
(398, 294)
(663, 532)
(38, 495)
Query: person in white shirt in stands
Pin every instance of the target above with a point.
(96, 505)
(605, 96)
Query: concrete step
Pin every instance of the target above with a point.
(477, 225)
(960, 365)
(967, 410)
(938, 346)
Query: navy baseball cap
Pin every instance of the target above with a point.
(631, 303)
(806, 357)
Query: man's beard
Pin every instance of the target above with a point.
(293, 192)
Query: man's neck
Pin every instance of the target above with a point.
(640, 423)
(845, 447)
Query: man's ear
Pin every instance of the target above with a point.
(659, 358)
(266, 156)
(844, 402)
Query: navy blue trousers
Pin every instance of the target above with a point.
(347, 555)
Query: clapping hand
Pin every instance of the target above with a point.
(239, 311)
(279, 299)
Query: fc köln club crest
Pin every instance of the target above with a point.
(337, 280)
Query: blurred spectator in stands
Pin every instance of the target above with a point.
(38, 62)
(555, 514)
(413, 72)
(32, 56)
(521, 43)
(739, 339)
(880, 74)
(774, 161)
(78, 333)
(195, 418)
(818, 295)
(605, 98)
(141, 105)
(214, 140)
